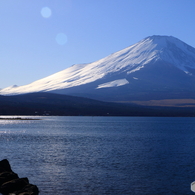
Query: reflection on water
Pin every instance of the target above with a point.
(102, 155)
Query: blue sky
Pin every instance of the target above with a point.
(37, 42)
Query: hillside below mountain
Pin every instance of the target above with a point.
(64, 105)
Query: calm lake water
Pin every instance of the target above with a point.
(102, 155)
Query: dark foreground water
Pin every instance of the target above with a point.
(102, 155)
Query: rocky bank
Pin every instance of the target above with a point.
(11, 184)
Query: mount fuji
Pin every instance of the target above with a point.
(157, 67)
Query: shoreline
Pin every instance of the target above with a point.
(19, 118)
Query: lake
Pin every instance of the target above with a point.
(102, 155)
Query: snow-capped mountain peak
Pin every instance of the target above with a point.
(119, 65)
(168, 49)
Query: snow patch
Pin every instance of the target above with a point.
(188, 73)
(115, 83)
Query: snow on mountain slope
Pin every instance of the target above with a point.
(115, 83)
(127, 61)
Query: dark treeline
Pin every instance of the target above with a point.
(63, 105)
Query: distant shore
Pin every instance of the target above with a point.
(19, 118)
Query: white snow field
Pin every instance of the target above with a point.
(115, 83)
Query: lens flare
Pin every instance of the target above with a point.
(61, 38)
(46, 12)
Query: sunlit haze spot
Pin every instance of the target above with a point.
(46, 12)
(61, 38)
